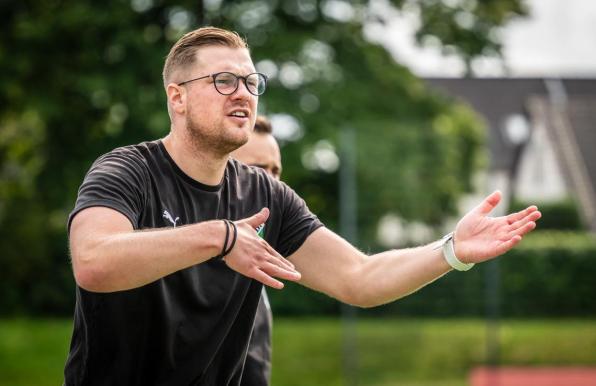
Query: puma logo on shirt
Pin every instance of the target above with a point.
(169, 217)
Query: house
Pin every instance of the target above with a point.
(541, 136)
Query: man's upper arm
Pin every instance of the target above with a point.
(117, 180)
(92, 225)
(327, 263)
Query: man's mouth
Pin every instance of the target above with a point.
(239, 114)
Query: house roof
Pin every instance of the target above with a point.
(582, 116)
(496, 99)
(570, 109)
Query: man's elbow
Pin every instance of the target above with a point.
(366, 300)
(361, 289)
(356, 293)
(359, 300)
(88, 274)
(89, 280)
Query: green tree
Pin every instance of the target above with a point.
(81, 77)
(468, 28)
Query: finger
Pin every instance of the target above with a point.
(489, 203)
(521, 231)
(512, 218)
(507, 245)
(277, 271)
(257, 219)
(533, 216)
(526, 228)
(280, 262)
(266, 279)
(277, 258)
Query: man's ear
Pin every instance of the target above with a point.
(176, 98)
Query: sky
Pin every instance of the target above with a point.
(558, 39)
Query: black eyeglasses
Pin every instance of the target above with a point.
(226, 83)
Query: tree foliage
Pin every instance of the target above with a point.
(82, 77)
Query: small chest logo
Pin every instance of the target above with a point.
(169, 217)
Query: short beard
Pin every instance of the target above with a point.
(202, 139)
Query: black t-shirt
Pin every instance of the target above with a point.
(191, 327)
(257, 367)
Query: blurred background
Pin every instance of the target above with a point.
(394, 116)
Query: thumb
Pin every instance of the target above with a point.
(489, 203)
(257, 219)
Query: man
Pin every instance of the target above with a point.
(261, 151)
(168, 264)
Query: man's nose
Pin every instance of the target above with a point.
(242, 90)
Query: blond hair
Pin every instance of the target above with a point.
(183, 53)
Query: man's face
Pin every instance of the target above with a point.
(213, 119)
(262, 151)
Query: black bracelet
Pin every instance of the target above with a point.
(225, 252)
(223, 249)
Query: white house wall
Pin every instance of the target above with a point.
(540, 178)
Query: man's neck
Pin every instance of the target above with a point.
(199, 164)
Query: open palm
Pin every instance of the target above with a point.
(479, 237)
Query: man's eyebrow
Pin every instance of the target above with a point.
(259, 166)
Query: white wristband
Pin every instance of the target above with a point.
(449, 253)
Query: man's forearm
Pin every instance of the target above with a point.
(391, 275)
(341, 271)
(124, 260)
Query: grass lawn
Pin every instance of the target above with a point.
(32, 352)
(308, 352)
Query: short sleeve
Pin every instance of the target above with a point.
(297, 221)
(116, 180)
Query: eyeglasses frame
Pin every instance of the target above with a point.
(238, 77)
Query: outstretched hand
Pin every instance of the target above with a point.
(479, 237)
(254, 257)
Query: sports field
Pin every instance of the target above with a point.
(421, 352)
